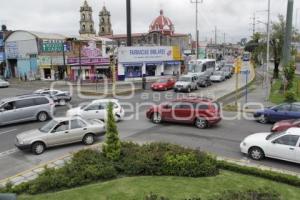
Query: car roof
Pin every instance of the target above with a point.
(20, 97)
(294, 131)
(105, 100)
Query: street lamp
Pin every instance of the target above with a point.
(268, 51)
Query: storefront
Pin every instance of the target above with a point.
(51, 68)
(136, 62)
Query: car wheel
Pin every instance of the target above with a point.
(201, 123)
(42, 116)
(256, 153)
(263, 119)
(88, 139)
(156, 118)
(62, 102)
(38, 148)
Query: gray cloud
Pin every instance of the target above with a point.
(62, 16)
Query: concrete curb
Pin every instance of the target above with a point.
(120, 93)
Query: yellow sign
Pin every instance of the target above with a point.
(176, 53)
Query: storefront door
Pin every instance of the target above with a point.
(133, 71)
(150, 70)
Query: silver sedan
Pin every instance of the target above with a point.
(3, 83)
(60, 131)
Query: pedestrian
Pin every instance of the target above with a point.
(25, 77)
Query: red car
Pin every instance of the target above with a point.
(285, 124)
(163, 84)
(201, 112)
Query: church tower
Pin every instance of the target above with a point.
(86, 20)
(104, 24)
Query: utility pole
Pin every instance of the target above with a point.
(128, 14)
(287, 37)
(253, 24)
(224, 37)
(216, 35)
(196, 2)
(268, 52)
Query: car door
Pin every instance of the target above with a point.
(297, 152)
(78, 129)
(166, 112)
(92, 111)
(183, 112)
(295, 111)
(59, 134)
(280, 112)
(8, 113)
(284, 147)
(27, 109)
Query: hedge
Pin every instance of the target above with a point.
(88, 166)
(267, 174)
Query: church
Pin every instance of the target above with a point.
(161, 31)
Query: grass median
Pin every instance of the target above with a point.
(171, 187)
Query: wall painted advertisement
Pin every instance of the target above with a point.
(143, 54)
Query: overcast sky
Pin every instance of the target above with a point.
(62, 16)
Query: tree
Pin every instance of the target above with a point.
(112, 147)
(289, 74)
(276, 43)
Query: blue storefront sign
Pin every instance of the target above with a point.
(2, 56)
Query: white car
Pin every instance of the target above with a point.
(283, 145)
(3, 83)
(97, 109)
(60, 131)
(217, 76)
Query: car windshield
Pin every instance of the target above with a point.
(185, 79)
(274, 135)
(218, 73)
(46, 128)
(162, 81)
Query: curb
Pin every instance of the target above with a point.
(121, 93)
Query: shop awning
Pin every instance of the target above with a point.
(101, 67)
(154, 63)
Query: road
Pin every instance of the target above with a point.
(222, 140)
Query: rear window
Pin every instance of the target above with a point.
(201, 106)
(25, 103)
(41, 101)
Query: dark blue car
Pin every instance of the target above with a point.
(277, 113)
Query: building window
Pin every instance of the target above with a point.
(83, 16)
(102, 29)
(83, 27)
(91, 28)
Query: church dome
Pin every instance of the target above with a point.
(162, 24)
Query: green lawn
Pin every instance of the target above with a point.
(135, 188)
(277, 95)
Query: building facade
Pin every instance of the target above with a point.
(86, 20)
(104, 22)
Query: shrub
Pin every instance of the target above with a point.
(290, 96)
(111, 148)
(251, 194)
(165, 159)
(152, 196)
(274, 176)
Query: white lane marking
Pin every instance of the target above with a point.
(8, 131)
(8, 152)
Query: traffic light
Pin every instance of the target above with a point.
(111, 59)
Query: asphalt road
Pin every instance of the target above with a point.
(222, 139)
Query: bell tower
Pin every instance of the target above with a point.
(86, 20)
(105, 23)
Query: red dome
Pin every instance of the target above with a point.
(162, 24)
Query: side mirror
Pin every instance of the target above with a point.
(2, 110)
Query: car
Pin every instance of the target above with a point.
(204, 81)
(217, 76)
(97, 109)
(285, 124)
(277, 113)
(59, 97)
(60, 131)
(4, 83)
(26, 108)
(282, 145)
(230, 67)
(163, 84)
(186, 83)
(227, 72)
(202, 112)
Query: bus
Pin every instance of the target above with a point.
(202, 66)
(246, 56)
